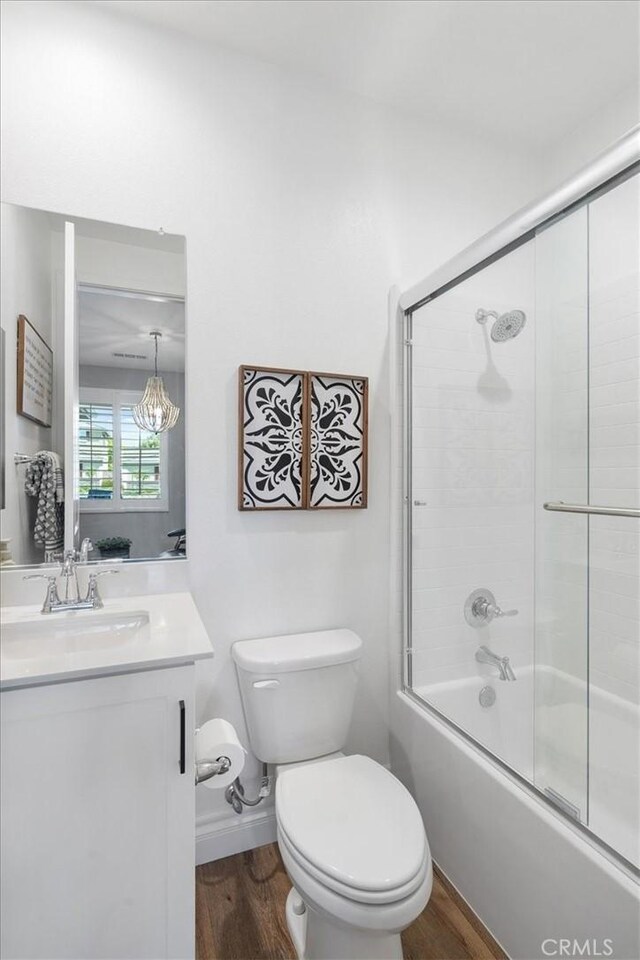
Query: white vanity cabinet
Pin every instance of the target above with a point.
(98, 818)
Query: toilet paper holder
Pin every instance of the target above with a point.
(206, 769)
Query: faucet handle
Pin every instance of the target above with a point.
(51, 596)
(481, 608)
(499, 612)
(93, 594)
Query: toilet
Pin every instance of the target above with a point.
(350, 834)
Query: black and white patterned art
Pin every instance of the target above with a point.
(272, 439)
(337, 441)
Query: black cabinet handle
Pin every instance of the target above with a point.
(183, 734)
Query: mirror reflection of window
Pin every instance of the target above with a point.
(120, 466)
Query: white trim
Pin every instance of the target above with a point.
(70, 389)
(117, 398)
(218, 837)
(621, 155)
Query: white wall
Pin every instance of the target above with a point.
(27, 288)
(301, 206)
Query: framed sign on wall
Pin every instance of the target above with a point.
(35, 374)
(302, 440)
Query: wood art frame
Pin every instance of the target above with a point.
(34, 375)
(302, 439)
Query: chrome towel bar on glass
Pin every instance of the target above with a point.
(560, 507)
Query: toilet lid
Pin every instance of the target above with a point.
(353, 821)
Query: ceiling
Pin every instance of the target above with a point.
(526, 70)
(111, 323)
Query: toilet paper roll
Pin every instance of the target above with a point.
(218, 738)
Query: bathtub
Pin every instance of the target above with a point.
(530, 873)
(551, 728)
(506, 728)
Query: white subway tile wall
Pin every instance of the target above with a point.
(473, 445)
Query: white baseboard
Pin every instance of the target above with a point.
(222, 837)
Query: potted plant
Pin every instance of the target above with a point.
(112, 547)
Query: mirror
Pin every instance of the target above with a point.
(95, 300)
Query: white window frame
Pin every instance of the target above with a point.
(118, 399)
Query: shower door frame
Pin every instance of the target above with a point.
(620, 162)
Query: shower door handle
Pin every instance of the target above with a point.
(559, 506)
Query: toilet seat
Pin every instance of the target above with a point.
(343, 911)
(354, 828)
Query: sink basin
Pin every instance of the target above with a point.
(129, 634)
(68, 633)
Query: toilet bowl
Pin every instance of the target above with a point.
(350, 834)
(353, 843)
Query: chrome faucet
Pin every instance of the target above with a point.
(69, 571)
(481, 608)
(86, 547)
(484, 655)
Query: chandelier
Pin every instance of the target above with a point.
(155, 412)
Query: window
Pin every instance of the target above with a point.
(120, 467)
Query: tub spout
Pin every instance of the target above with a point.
(484, 655)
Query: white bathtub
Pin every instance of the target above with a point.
(529, 873)
(582, 742)
(506, 728)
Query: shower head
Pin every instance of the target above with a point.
(506, 325)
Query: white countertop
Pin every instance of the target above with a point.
(170, 633)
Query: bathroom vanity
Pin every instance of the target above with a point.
(97, 779)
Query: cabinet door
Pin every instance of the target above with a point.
(98, 819)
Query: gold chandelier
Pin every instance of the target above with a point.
(155, 412)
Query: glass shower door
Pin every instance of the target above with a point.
(472, 506)
(524, 620)
(587, 571)
(561, 571)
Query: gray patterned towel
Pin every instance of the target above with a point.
(44, 480)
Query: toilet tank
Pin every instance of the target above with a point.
(298, 692)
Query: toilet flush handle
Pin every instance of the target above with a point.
(266, 684)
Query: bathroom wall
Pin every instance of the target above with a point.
(301, 205)
(28, 278)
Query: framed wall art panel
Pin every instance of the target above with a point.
(272, 448)
(35, 374)
(338, 441)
